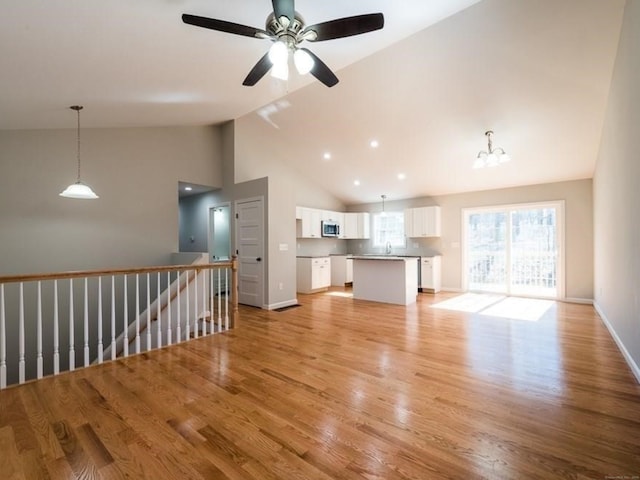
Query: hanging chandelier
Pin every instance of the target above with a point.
(78, 189)
(492, 157)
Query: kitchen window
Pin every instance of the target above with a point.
(388, 228)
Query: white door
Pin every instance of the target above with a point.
(250, 251)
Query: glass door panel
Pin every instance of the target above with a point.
(513, 250)
(486, 252)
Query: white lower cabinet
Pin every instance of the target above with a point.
(341, 270)
(313, 274)
(430, 273)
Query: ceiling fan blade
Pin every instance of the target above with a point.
(258, 71)
(284, 8)
(321, 71)
(344, 27)
(222, 26)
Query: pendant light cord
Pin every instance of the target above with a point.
(78, 111)
(77, 108)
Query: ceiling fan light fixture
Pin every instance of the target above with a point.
(303, 61)
(280, 71)
(278, 53)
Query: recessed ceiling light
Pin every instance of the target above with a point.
(327, 156)
(401, 176)
(356, 183)
(374, 144)
(188, 189)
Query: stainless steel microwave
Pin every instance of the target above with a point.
(330, 228)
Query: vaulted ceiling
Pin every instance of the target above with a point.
(427, 86)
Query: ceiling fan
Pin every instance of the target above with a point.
(287, 30)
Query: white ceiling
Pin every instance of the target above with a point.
(427, 86)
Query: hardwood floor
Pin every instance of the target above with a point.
(342, 389)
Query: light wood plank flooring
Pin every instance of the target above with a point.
(342, 389)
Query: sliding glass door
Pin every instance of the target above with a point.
(515, 250)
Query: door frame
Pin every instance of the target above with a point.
(560, 232)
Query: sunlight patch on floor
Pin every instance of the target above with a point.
(340, 294)
(469, 302)
(529, 309)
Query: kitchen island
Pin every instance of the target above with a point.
(386, 279)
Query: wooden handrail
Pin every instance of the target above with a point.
(121, 271)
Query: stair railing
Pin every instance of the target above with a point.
(119, 312)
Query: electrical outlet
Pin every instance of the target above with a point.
(281, 286)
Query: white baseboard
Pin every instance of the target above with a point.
(585, 301)
(286, 303)
(452, 290)
(625, 353)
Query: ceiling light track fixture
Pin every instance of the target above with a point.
(492, 157)
(78, 190)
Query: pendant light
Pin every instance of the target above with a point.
(383, 213)
(492, 157)
(79, 189)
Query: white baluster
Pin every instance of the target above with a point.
(219, 303)
(86, 322)
(125, 343)
(211, 302)
(137, 313)
(21, 362)
(159, 309)
(186, 327)
(204, 302)
(72, 348)
(148, 313)
(56, 331)
(196, 314)
(226, 299)
(3, 342)
(100, 346)
(39, 332)
(178, 309)
(168, 308)
(113, 317)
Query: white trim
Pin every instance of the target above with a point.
(583, 301)
(286, 303)
(635, 369)
(452, 290)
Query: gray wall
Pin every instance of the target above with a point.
(617, 197)
(577, 196)
(135, 172)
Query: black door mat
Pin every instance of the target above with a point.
(283, 309)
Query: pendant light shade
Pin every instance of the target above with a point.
(78, 189)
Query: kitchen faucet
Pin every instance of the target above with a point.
(388, 248)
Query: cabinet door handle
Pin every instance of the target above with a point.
(259, 259)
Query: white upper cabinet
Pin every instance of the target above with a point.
(309, 224)
(422, 222)
(356, 225)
